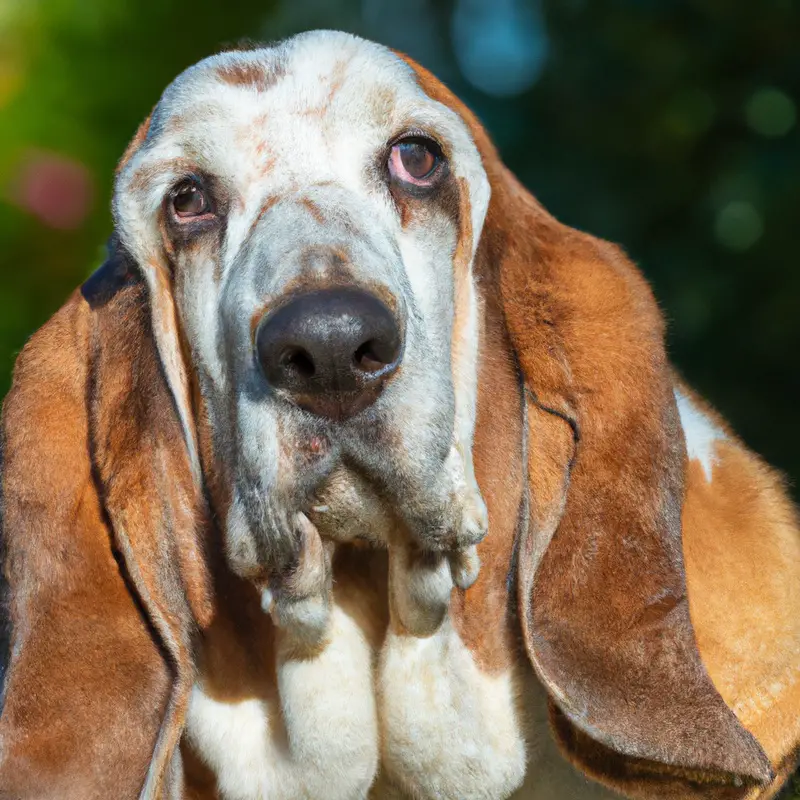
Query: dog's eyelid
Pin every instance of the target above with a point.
(419, 133)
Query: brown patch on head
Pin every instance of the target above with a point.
(336, 79)
(382, 101)
(135, 143)
(268, 164)
(313, 209)
(268, 203)
(250, 75)
(335, 83)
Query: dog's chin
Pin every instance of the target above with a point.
(349, 507)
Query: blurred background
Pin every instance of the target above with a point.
(670, 126)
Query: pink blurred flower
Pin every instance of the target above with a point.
(56, 189)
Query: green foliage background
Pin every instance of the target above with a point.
(669, 126)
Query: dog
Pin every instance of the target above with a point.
(354, 473)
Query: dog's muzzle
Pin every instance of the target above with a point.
(330, 351)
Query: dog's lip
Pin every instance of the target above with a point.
(338, 409)
(348, 505)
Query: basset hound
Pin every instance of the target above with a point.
(353, 473)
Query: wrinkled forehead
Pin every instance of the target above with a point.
(311, 109)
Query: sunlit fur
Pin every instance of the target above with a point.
(292, 141)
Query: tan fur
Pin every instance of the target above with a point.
(741, 542)
(88, 629)
(246, 76)
(135, 143)
(572, 300)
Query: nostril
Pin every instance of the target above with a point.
(329, 351)
(299, 361)
(373, 356)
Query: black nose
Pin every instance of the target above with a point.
(331, 351)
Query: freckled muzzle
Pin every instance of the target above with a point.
(330, 351)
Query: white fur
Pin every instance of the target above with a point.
(448, 729)
(700, 432)
(314, 735)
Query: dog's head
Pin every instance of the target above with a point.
(307, 217)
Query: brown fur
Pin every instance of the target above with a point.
(482, 615)
(603, 598)
(100, 616)
(137, 141)
(249, 76)
(462, 258)
(742, 554)
(313, 209)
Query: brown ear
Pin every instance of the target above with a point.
(105, 576)
(603, 597)
(601, 581)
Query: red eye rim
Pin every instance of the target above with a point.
(193, 189)
(398, 167)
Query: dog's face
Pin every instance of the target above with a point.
(313, 216)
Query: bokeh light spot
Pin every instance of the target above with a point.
(738, 225)
(56, 189)
(771, 112)
(501, 45)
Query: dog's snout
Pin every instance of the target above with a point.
(331, 351)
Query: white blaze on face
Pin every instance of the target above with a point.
(700, 432)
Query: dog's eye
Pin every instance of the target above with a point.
(189, 200)
(415, 160)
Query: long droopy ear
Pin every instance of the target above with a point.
(602, 587)
(106, 578)
(603, 597)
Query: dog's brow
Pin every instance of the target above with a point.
(251, 75)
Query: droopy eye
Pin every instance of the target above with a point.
(415, 160)
(190, 200)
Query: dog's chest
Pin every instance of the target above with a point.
(374, 714)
